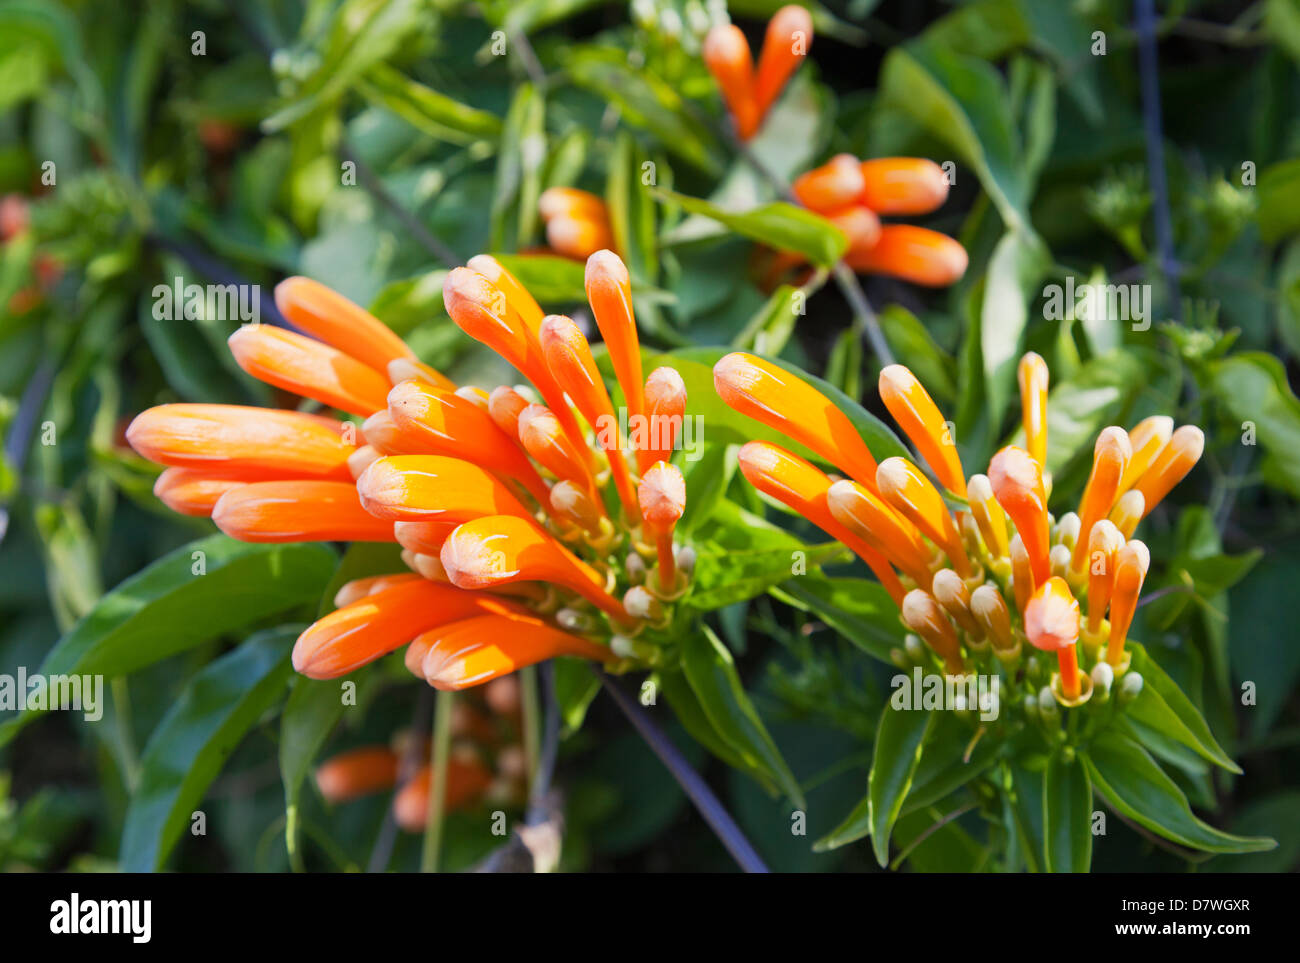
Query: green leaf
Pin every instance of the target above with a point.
(712, 675)
(1279, 198)
(1129, 779)
(1067, 817)
(1027, 813)
(900, 738)
(916, 348)
(855, 826)
(944, 766)
(768, 331)
(859, 609)
(1163, 706)
(193, 741)
(427, 110)
(1253, 387)
(707, 478)
(1015, 272)
(777, 224)
(519, 167)
(575, 686)
(690, 713)
(632, 209)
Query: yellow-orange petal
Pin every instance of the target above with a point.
(356, 773)
(518, 298)
(919, 417)
(1128, 511)
(578, 238)
(363, 458)
(544, 439)
(382, 433)
(359, 588)
(609, 291)
(478, 650)
(409, 369)
(502, 549)
(1032, 375)
(1171, 466)
(434, 488)
(504, 407)
(871, 519)
(1052, 615)
(309, 368)
(1017, 480)
(1110, 457)
(896, 186)
(298, 510)
(915, 254)
(383, 621)
(467, 780)
(787, 41)
(330, 317)
(834, 186)
(1148, 437)
(1023, 582)
(903, 486)
(991, 612)
(924, 616)
(662, 496)
(726, 54)
(194, 491)
(425, 538)
(239, 438)
(575, 503)
(655, 436)
(448, 424)
(1104, 544)
(988, 515)
(952, 592)
(790, 405)
(1131, 564)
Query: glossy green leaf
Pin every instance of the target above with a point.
(575, 686)
(519, 167)
(690, 713)
(429, 111)
(859, 609)
(900, 738)
(1253, 387)
(1015, 272)
(1279, 199)
(632, 209)
(777, 224)
(1163, 706)
(1067, 816)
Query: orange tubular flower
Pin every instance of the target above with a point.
(477, 650)
(193, 491)
(333, 319)
(788, 404)
(609, 290)
(915, 254)
(518, 297)
(504, 406)
(924, 616)
(726, 54)
(834, 186)
(434, 488)
(1052, 624)
(665, 401)
(896, 186)
(1104, 544)
(501, 549)
(1171, 466)
(359, 588)
(988, 515)
(1148, 438)
(309, 368)
(578, 239)
(789, 35)
(467, 780)
(662, 499)
(1128, 511)
(298, 510)
(1017, 480)
(356, 773)
(1110, 457)
(873, 521)
(1032, 375)
(425, 538)
(1131, 564)
(543, 437)
(916, 413)
(903, 486)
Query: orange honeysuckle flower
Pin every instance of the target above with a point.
(860, 225)
(1017, 480)
(477, 650)
(790, 405)
(871, 519)
(918, 416)
(356, 773)
(239, 439)
(194, 491)
(544, 439)
(382, 622)
(359, 588)
(665, 409)
(1148, 438)
(504, 406)
(1104, 544)
(309, 368)
(328, 316)
(785, 44)
(500, 549)
(915, 254)
(1023, 581)
(1032, 375)
(1131, 564)
(662, 500)
(1171, 466)
(988, 515)
(896, 186)
(410, 369)
(924, 616)
(577, 505)
(1052, 624)
(567, 202)
(903, 486)
(467, 780)
(423, 537)
(990, 610)
(951, 591)
(298, 510)
(518, 297)
(434, 488)
(578, 238)
(834, 186)
(1111, 455)
(726, 54)
(609, 290)
(383, 434)
(1128, 511)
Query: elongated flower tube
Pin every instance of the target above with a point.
(918, 416)
(1017, 480)
(382, 622)
(915, 254)
(477, 650)
(193, 491)
(872, 520)
(1148, 438)
(242, 439)
(359, 588)
(467, 780)
(1052, 624)
(543, 437)
(924, 616)
(423, 537)
(409, 369)
(950, 591)
(434, 488)
(1103, 550)
(383, 434)
(990, 610)
(504, 406)
(569, 356)
(518, 298)
(330, 317)
(662, 499)
(785, 44)
(896, 186)
(903, 486)
(448, 424)
(501, 549)
(356, 773)
(1131, 564)
(1032, 375)
(988, 515)
(790, 405)
(309, 368)
(1128, 511)
(860, 225)
(1023, 582)
(806, 489)
(578, 505)
(1171, 466)
(609, 291)
(578, 238)
(655, 436)
(1111, 456)
(834, 186)
(726, 54)
(298, 510)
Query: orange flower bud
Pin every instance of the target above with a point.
(308, 368)
(988, 515)
(665, 402)
(362, 458)
(1023, 582)
(423, 537)
(382, 622)
(330, 317)
(298, 510)
(860, 225)
(356, 773)
(413, 658)
(194, 491)
(904, 487)
(467, 780)
(409, 369)
(382, 433)
(359, 588)
(562, 202)
(950, 591)
(1171, 466)
(1131, 564)
(788, 38)
(880, 526)
(1148, 437)
(1052, 624)
(990, 611)
(918, 416)
(1110, 457)
(1128, 511)
(1032, 375)
(578, 238)
(1103, 547)
(504, 406)
(477, 650)
(242, 440)
(923, 615)
(726, 54)
(609, 291)
(788, 404)
(518, 297)
(1017, 480)
(896, 186)
(574, 503)
(662, 499)
(544, 439)
(914, 254)
(434, 488)
(834, 186)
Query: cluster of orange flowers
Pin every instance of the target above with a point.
(750, 95)
(967, 582)
(501, 504)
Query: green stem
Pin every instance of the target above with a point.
(439, 755)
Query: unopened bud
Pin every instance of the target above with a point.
(1047, 707)
(635, 568)
(1067, 530)
(1130, 687)
(640, 604)
(1103, 676)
